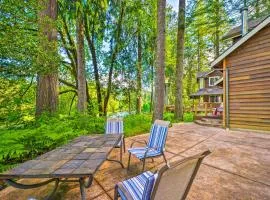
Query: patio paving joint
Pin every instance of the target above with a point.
(100, 185)
(224, 170)
(179, 154)
(249, 145)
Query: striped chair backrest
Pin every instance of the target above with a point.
(114, 126)
(147, 190)
(158, 135)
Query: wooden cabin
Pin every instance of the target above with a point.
(210, 92)
(246, 79)
(209, 87)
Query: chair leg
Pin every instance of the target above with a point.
(129, 160)
(124, 144)
(152, 160)
(121, 153)
(143, 165)
(165, 158)
(116, 192)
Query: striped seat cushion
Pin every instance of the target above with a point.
(139, 187)
(140, 151)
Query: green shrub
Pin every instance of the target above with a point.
(137, 124)
(169, 117)
(146, 107)
(188, 117)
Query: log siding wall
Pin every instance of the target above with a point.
(249, 83)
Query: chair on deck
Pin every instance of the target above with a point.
(116, 126)
(155, 146)
(171, 182)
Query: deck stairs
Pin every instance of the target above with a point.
(209, 121)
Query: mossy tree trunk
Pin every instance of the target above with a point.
(82, 96)
(139, 71)
(47, 76)
(180, 62)
(160, 62)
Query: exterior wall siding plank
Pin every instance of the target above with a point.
(249, 83)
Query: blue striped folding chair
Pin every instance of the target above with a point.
(171, 182)
(116, 126)
(155, 146)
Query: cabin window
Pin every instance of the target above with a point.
(212, 80)
(215, 99)
(201, 83)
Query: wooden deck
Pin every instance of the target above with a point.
(199, 109)
(237, 169)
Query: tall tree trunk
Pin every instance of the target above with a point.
(139, 73)
(47, 79)
(180, 61)
(217, 28)
(189, 77)
(92, 49)
(82, 96)
(199, 51)
(129, 102)
(88, 97)
(257, 8)
(152, 87)
(113, 58)
(160, 62)
(217, 42)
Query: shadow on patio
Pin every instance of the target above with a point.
(238, 168)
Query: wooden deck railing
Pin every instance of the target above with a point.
(206, 108)
(198, 108)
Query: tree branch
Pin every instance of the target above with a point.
(66, 91)
(67, 83)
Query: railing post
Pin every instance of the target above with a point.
(205, 108)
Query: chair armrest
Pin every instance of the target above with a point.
(138, 141)
(123, 189)
(147, 150)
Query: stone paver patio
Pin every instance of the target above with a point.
(238, 168)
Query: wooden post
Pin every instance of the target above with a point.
(227, 99)
(224, 94)
(205, 108)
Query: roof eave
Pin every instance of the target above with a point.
(227, 37)
(240, 42)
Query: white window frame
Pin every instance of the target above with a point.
(216, 78)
